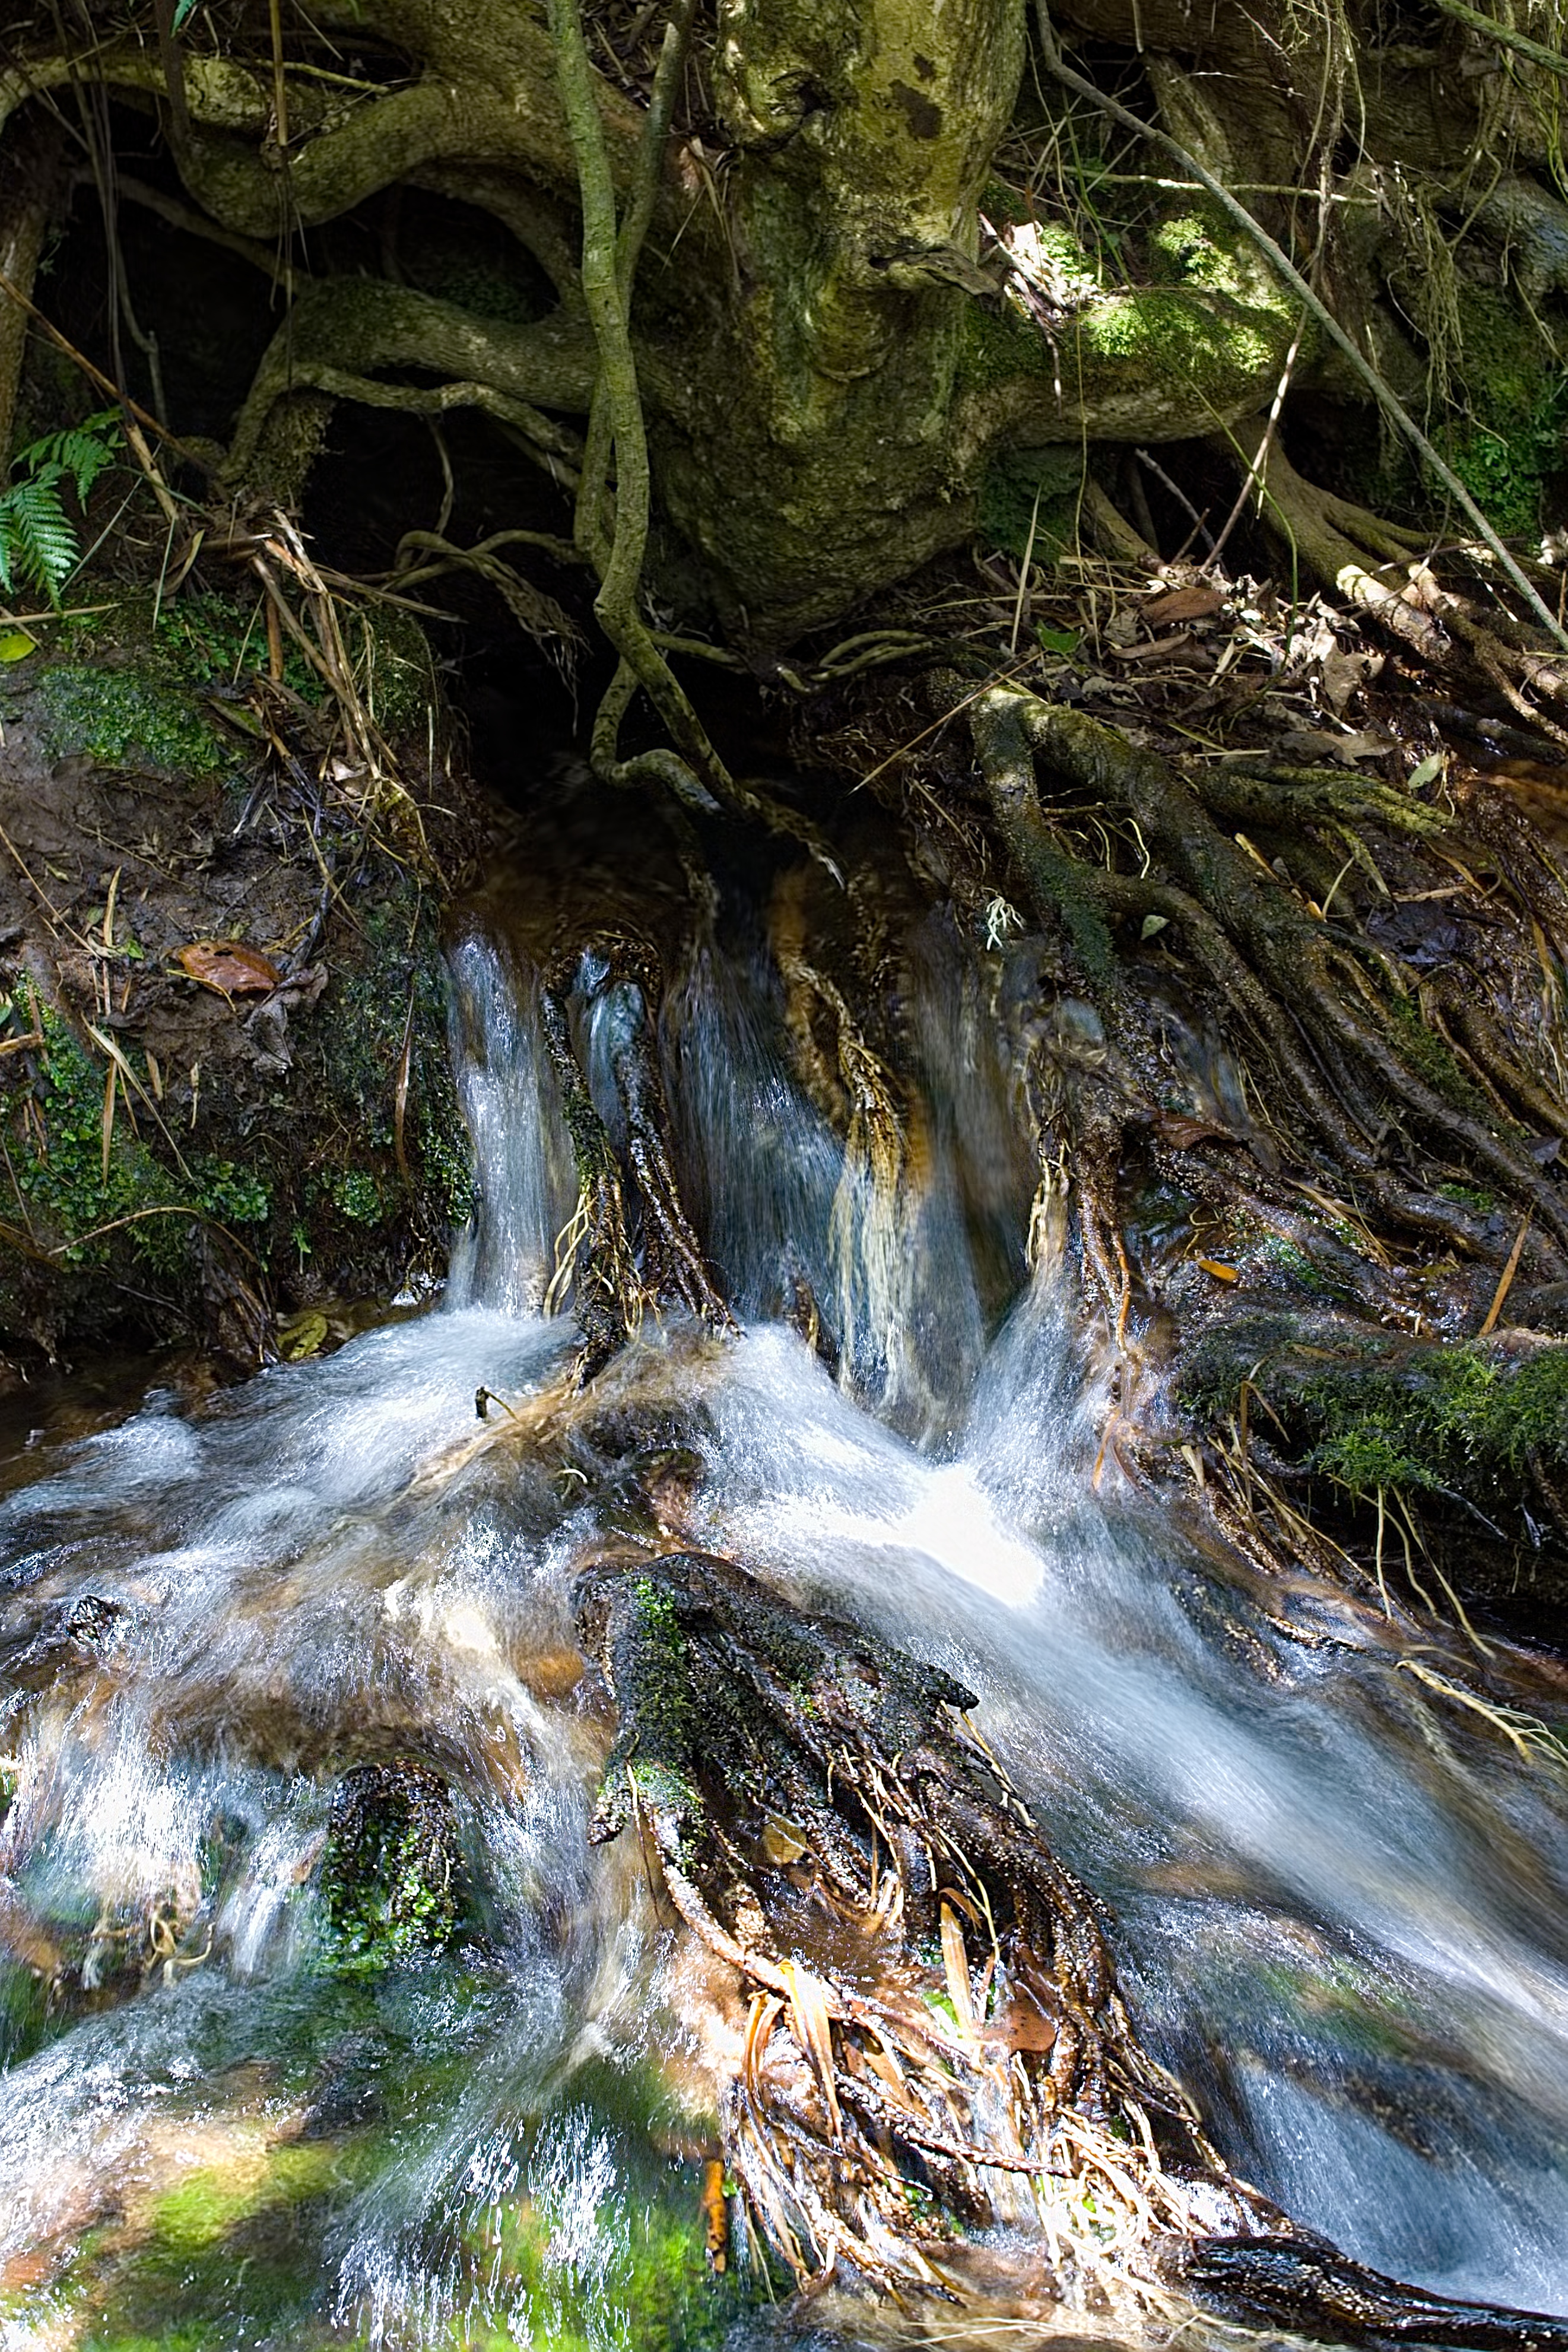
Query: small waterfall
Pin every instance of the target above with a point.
(1341, 1924)
(505, 1256)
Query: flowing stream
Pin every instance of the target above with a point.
(1339, 1914)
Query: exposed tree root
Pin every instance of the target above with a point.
(624, 1257)
(935, 2036)
(1386, 573)
(342, 333)
(1324, 1016)
(802, 1792)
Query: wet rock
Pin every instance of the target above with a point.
(392, 1872)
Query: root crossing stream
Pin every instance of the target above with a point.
(466, 2096)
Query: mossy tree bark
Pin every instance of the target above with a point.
(827, 369)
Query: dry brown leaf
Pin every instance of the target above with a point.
(782, 1843)
(1170, 1126)
(229, 968)
(1160, 651)
(1182, 605)
(1299, 744)
(955, 1966)
(1344, 673)
(1022, 2025)
(766, 2009)
(883, 2061)
(715, 2216)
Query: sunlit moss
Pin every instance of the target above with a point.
(392, 1873)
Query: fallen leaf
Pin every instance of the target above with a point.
(1425, 935)
(813, 2029)
(1022, 2026)
(1173, 1127)
(1217, 1267)
(229, 968)
(1344, 673)
(782, 1843)
(715, 2216)
(1159, 651)
(1182, 605)
(303, 1335)
(955, 1968)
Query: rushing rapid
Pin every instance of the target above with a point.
(226, 2122)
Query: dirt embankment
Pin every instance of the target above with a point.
(226, 1104)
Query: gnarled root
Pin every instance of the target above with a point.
(630, 1247)
(1326, 1020)
(805, 1791)
(343, 336)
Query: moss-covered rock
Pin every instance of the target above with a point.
(1471, 1437)
(392, 1875)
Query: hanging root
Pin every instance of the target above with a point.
(629, 1248)
(613, 533)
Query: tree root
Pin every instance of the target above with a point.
(615, 425)
(624, 1258)
(340, 333)
(1381, 569)
(784, 1772)
(1326, 1026)
(537, 614)
(1384, 573)
(934, 2031)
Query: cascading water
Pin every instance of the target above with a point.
(232, 2117)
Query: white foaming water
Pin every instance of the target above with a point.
(504, 1257)
(1338, 1920)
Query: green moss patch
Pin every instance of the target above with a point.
(1476, 1420)
(392, 1875)
(121, 717)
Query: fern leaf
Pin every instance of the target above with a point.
(83, 451)
(37, 544)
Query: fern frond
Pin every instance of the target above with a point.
(37, 544)
(83, 451)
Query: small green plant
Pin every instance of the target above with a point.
(38, 544)
(356, 1196)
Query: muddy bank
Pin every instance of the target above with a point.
(226, 1102)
